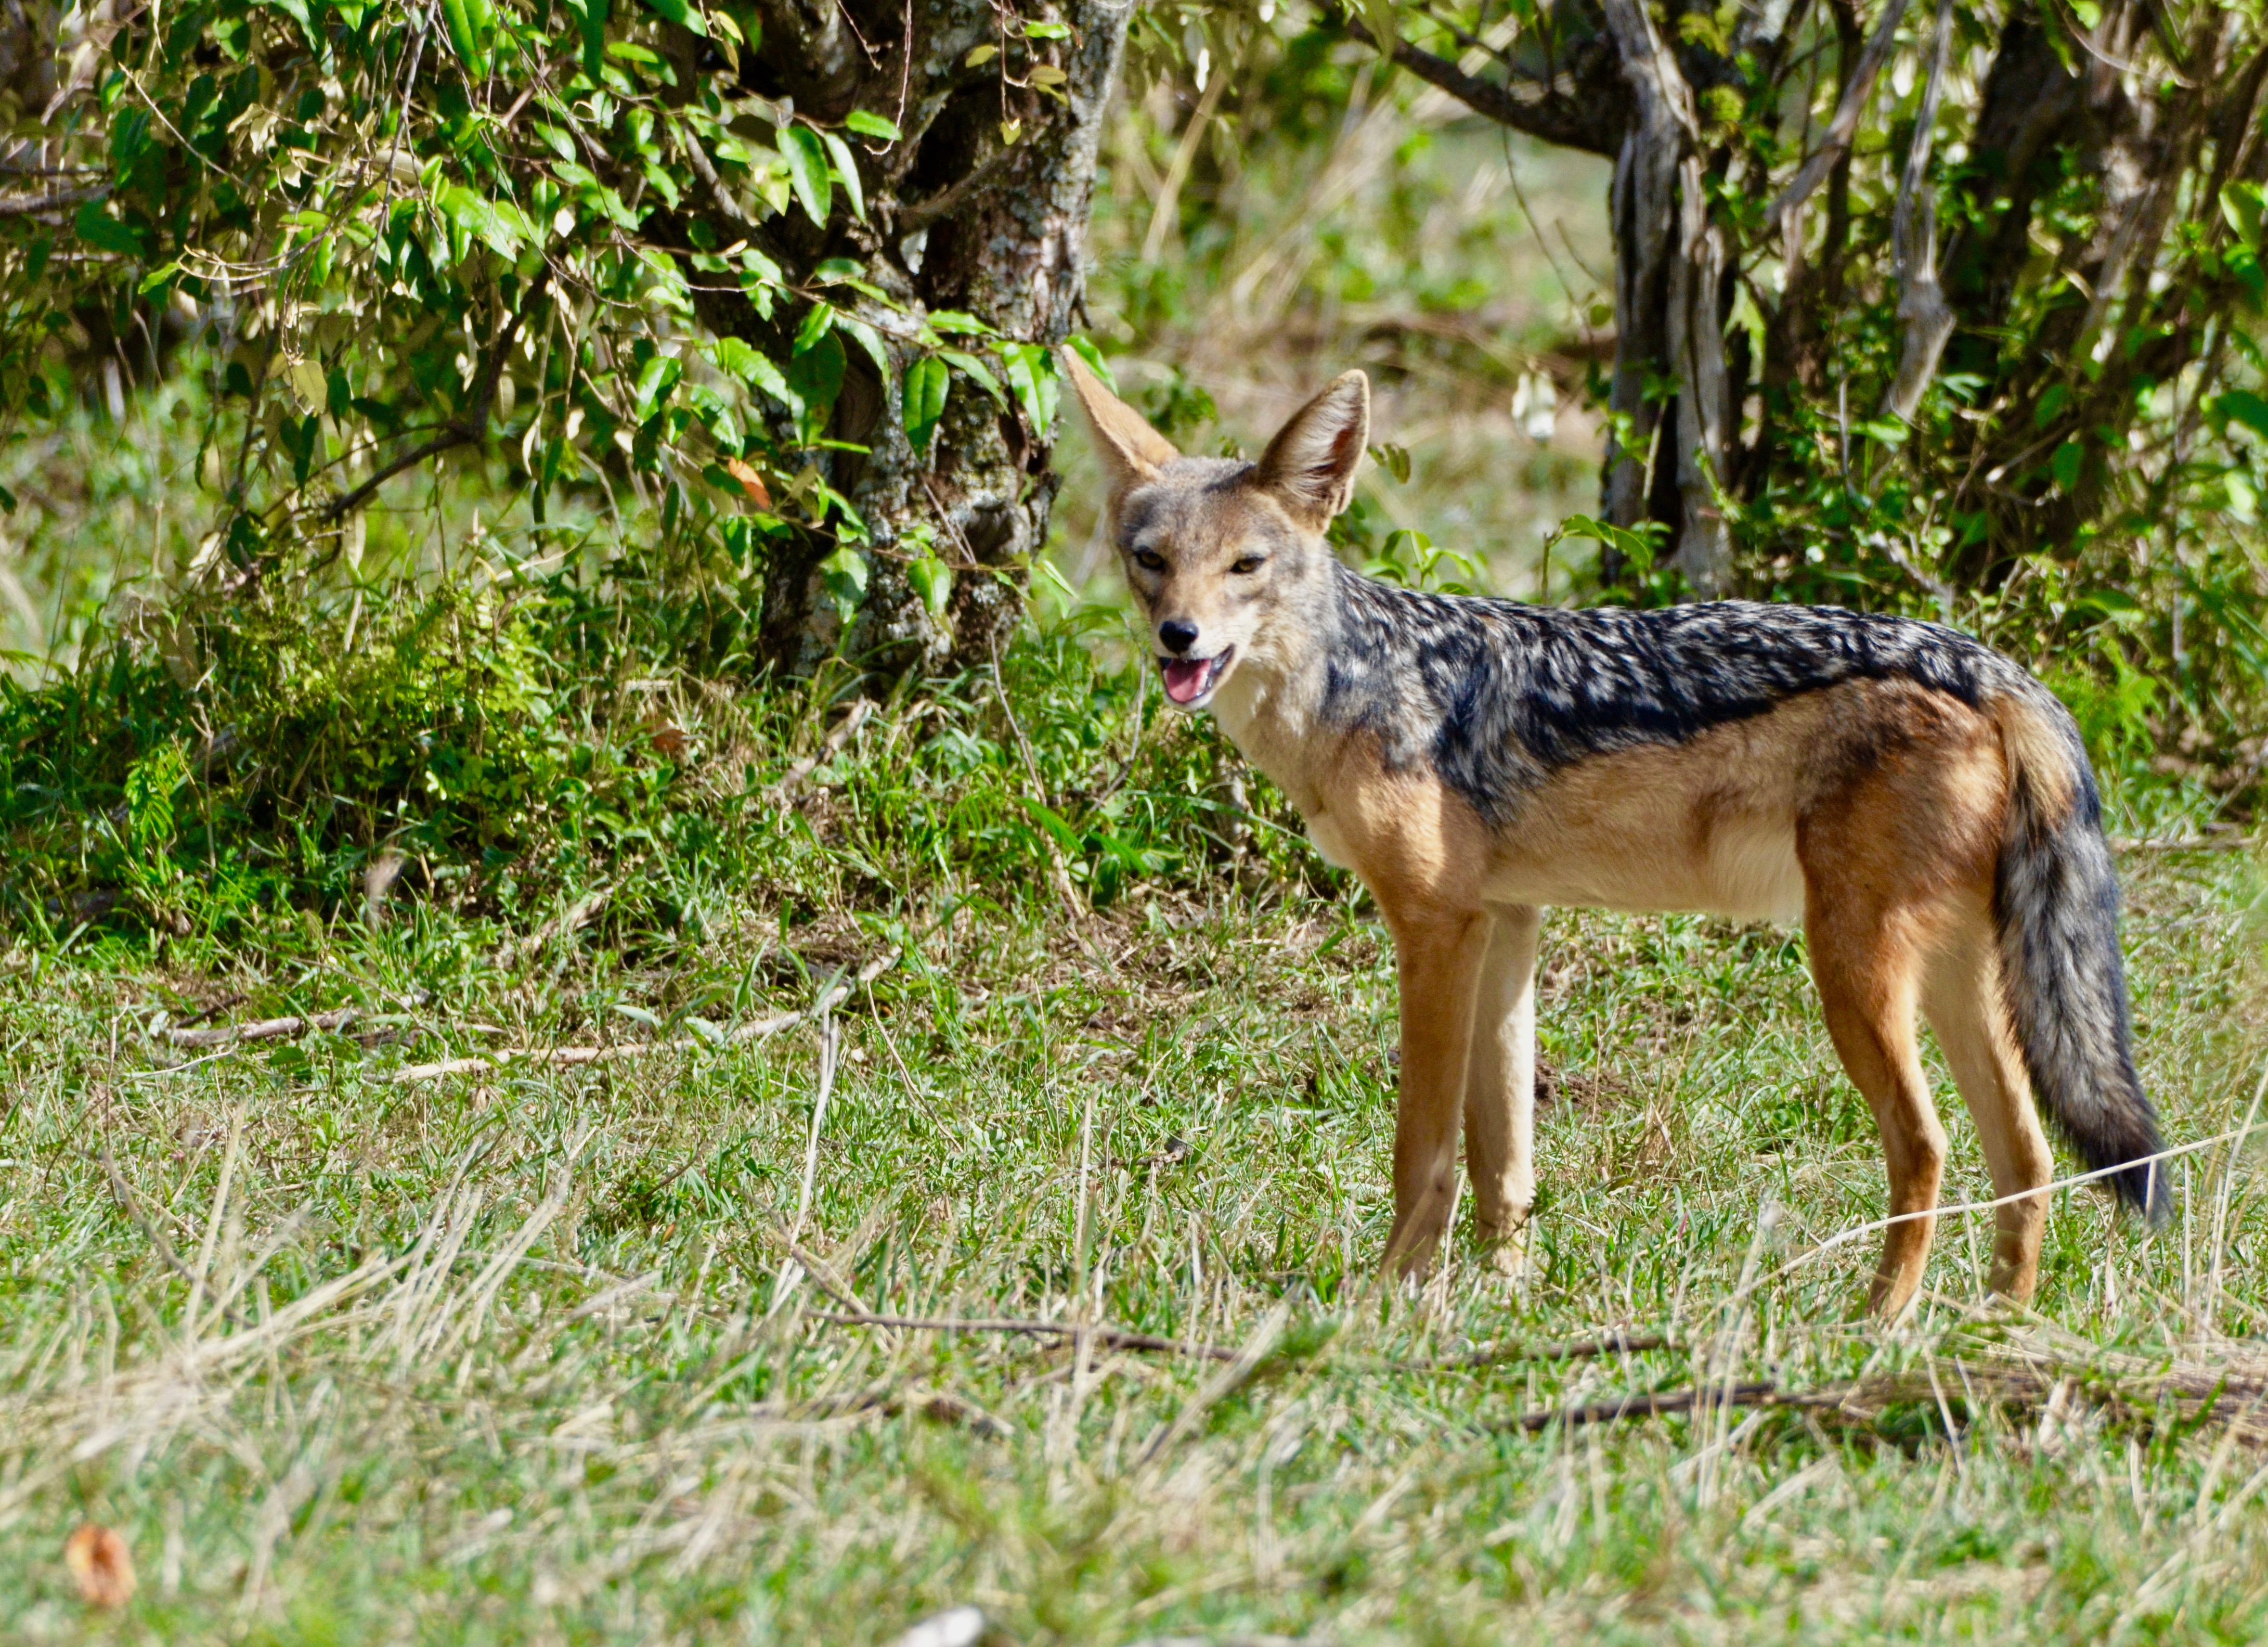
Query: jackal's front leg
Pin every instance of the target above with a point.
(1440, 958)
(1500, 1088)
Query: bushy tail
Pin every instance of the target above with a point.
(2055, 905)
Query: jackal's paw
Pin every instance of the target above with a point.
(1507, 1249)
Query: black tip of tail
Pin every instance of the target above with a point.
(2142, 1188)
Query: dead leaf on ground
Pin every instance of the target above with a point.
(100, 1566)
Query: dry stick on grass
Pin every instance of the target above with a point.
(1108, 1337)
(576, 916)
(1666, 1401)
(264, 1029)
(829, 747)
(568, 1056)
(1617, 1342)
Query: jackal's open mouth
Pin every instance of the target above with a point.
(1190, 679)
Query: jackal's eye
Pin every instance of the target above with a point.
(1248, 565)
(1149, 560)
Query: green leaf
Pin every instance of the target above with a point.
(104, 232)
(753, 369)
(2065, 465)
(1045, 31)
(816, 377)
(457, 15)
(975, 369)
(678, 13)
(954, 321)
(846, 173)
(868, 339)
(2243, 406)
(2241, 204)
(932, 579)
(868, 125)
(655, 383)
(1378, 18)
(928, 381)
(1032, 380)
(815, 326)
(1085, 351)
(845, 574)
(806, 157)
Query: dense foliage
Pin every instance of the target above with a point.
(790, 279)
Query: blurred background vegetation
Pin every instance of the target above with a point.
(558, 644)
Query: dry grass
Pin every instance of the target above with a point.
(528, 1356)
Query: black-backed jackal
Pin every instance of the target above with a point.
(1922, 804)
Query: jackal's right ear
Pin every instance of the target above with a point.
(1310, 463)
(1131, 450)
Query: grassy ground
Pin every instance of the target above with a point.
(558, 1353)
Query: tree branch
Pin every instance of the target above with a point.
(29, 205)
(1845, 127)
(1922, 307)
(1595, 125)
(459, 431)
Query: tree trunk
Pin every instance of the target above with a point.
(979, 209)
(1669, 266)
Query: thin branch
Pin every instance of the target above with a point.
(1663, 1403)
(1922, 307)
(1612, 1343)
(1108, 1337)
(831, 746)
(29, 205)
(1591, 124)
(1840, 132)
(338, 508)
(264, 1029)
(572, 1057)
(463, 431)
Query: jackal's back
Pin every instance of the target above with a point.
(1494, 695)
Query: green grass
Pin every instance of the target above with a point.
(522, 1354)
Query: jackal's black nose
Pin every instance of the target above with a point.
(1177, 637)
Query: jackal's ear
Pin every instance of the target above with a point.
(1310, 463)
(1131, 450)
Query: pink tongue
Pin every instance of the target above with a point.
(1185, 677)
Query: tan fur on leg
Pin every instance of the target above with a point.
(1500, 1088)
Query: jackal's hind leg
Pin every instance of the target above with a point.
(1438, 959)
(1500, 1088)
(1963, 999)
(1867, 970)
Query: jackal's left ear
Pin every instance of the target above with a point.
(1310, 464)
(1131, 450)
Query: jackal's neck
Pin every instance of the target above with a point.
(1273, 705)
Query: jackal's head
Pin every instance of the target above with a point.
(1224, 557)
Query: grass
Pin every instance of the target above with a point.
(527, 1354)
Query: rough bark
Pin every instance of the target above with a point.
(1668, 269)
(958, 219)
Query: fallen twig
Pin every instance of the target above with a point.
(576, 916)
(1108, 1337)
(1662, 1402)
(1615, 1342)
(569, 1057)
(264, 1029)
(845, 729)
